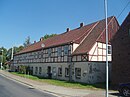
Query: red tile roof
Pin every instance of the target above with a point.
(86, 35)
(97, 34)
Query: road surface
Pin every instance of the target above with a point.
(9, 88)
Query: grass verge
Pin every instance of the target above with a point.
(63, 83)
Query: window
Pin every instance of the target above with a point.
(109, 49)
(36, 70)
(78, 73)
(66, 72)
(40, 70)
(66, 48)
(59, 51)
(49, 52)
(59, 71)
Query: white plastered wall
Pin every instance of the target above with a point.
(91, 72)
(75, 46)
(98, 52)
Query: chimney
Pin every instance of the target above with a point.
(34, 41)
(81, 24)
(68, 29)
(41, 39)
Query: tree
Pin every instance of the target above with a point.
(15, 50)
(8, 55)
(3, 54)
(48, 36)
(20, 48)
(27, 42)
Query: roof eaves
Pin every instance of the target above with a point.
(44, 48)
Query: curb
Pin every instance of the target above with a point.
(33, 86)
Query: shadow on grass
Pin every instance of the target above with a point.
(64, 83)
(81, 85)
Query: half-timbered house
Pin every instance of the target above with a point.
(77, 54)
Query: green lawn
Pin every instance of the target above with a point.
(63, 83)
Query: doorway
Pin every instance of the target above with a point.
(49, 72)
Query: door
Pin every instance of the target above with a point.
(49, 72)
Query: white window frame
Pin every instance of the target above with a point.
(59, 71)
(78, 73)
(36, 70)
(66, 72)
(40, 70)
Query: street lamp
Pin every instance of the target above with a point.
(1, 58)
(105, 3)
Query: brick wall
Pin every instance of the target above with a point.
(121, 54)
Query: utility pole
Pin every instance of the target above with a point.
(105, 3)
(1, 58)
(12, 53)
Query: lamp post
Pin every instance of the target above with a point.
(1, 58)
(12, 53)
(105, 3)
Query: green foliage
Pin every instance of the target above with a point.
(18, 49)
(15, 50)
(22, 69)
(5, 55)
(49, 36)
(27, 42)
(64, 83)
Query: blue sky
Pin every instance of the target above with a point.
(35, 18)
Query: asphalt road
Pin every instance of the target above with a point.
(9, 88)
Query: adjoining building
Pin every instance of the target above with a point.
(77, 55)
(121, 53)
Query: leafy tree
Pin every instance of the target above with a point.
(3, 54)
(20, 48)
(8, 55)
(48, 36)
(27, 42)
(15, 50)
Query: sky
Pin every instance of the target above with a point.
(36, 18)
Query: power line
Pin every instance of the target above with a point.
(123, 9)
